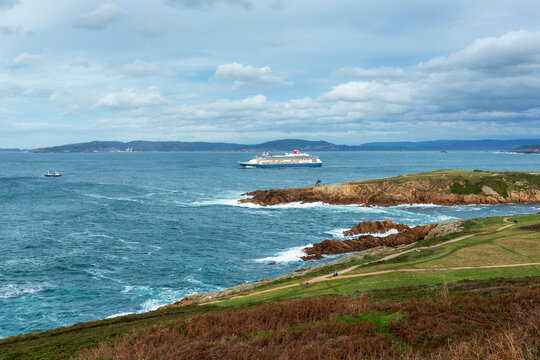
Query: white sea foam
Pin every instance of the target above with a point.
(286, 256)
(136, 289)
(192, 280)
(98, 196)
(99, 274)
(338, 233)
(100, 235)
(118, 315)
(166, 296)
(14, 290)
(417, 205)
(235, 201)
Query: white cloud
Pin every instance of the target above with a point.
(131, 98)
(369, 91)
(26, 60)
(207, 4)
(380, 73)
(511, 50)
(248, 76)
(101, 17)
(140, 68)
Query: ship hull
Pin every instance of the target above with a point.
(268, 166)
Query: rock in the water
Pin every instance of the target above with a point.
(364, 242)
(377, 227)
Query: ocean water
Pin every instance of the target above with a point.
(128, 232)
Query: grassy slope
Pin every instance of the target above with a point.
(468, 182)
(509, 246)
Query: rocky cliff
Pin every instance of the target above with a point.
(442, 187)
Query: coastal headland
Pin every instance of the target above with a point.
(441, 187)
(473, 287)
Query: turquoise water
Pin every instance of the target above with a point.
(128, 232)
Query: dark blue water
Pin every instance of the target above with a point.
(128, 232)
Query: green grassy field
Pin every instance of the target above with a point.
(352, 286)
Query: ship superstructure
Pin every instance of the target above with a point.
(294, 159)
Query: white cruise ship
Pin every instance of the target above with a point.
(294, 159)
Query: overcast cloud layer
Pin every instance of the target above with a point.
(345, 71)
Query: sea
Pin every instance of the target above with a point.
(123, 233)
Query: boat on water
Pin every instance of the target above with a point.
(294, 159)
(52, 174)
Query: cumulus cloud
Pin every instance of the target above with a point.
(8, 4)
(207, 4)
(514, 49)
(101, 17)
(369, 91)
(139, 68)
(131, 98)
(245, 76)
(26, 60)
(380, 73)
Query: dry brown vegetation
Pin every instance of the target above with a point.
(473, 327)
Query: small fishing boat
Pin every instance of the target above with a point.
(52, 174)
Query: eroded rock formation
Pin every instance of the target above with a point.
(377, 227)
(329, 247)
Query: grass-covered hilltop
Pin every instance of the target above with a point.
(469, 292)
(441, 187)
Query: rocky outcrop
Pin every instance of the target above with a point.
(329, 247)
(377, 227)
(444, 187)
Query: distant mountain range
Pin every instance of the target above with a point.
(286, 145)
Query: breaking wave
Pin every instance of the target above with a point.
(286, 256)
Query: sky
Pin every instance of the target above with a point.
(245, 71)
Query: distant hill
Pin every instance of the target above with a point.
(285, 145)
(10, 150)
(450, 145)
(526, 149)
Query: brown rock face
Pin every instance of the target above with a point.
(364, 242)
(377, 227)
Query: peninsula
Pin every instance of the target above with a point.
(441, 187)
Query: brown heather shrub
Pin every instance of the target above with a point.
(497, 327)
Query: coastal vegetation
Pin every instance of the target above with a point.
(476, 291)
